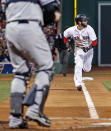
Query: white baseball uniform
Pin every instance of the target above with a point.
(82, 38)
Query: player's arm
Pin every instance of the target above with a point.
(66, 40)
(93, 44)
(93, 38)
(67, 34)
(51, 11)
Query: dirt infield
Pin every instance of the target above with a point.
(67, 108)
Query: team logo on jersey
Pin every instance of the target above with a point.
(84, 38)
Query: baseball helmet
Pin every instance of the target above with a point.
(81, 17)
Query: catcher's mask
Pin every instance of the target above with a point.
(81, 17)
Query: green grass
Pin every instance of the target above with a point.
(6, 74)
(4, 90)
(107, 84)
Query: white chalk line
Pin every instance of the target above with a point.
(92, 110)
(77, 118)
(77, 127)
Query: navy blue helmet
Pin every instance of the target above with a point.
(81, 17)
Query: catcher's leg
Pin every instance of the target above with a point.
(18, 89)
(40, 91)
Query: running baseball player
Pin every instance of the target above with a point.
(27, 43)
(85, 40)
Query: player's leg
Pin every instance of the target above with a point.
(18, 87)
(40, 92)
(61, 59)
(79, 57)
(65, 62)
(61, 56)
(88, 61)
(35, 110)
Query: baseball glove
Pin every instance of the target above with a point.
(86, 49)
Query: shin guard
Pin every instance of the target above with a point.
(16, 107)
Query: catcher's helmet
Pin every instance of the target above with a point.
(80, 17)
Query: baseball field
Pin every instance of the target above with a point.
(69, 109)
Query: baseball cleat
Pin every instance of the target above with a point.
(79, 88)
(40, 118)
(17, 123)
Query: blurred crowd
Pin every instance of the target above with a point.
(51, 33)
(4, 56)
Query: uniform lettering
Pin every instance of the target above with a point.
(85, 37)
(76, 38)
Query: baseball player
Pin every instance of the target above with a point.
(27, 43)
(85, 40)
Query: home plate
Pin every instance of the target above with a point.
(102, 124)
(88, 78)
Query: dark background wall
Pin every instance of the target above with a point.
(68, 20)
(88, 7)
